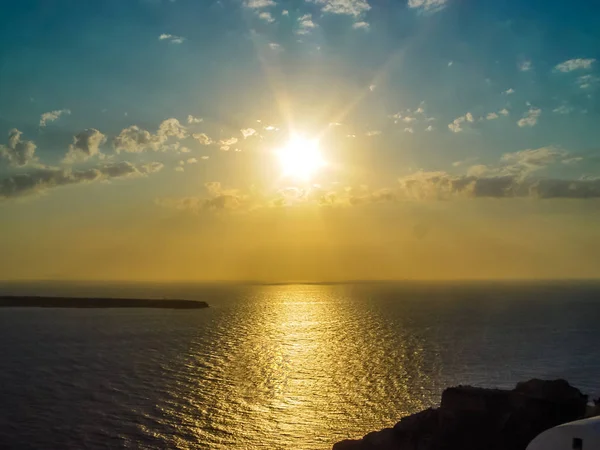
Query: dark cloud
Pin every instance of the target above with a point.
(41, 180)
(85, 145)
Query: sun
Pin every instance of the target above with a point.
(301, 158)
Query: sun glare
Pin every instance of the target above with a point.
(301, 158)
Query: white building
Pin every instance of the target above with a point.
(579, 435)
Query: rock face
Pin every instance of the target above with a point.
(471, 418)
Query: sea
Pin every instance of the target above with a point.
(296, 366)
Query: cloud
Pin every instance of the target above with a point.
(372, 87)
(563, 109)
(274, 46)
(305, 24)
(575, 64)
(171, 38)
(285, 12)
(191, 119)
(429, 128)
(456, 125)
(373, 133)
(247, 132)
(491, 116)
(409, 130)
(85, 145)
(202, 138)
(41, 180)
(419, 186)
(443, 186)
(525, 66)
(353, 8)
(257, 4)
(179, 169)
(172, 128)
(229, 141)
(192, 161)
(509, 91)
(360, 25)
(427, 5)
(136, 140)
(530, 118)
(585, 81)
(504, 112)
(18, 152)
(266, 16)
(533, 159)
(52, 116)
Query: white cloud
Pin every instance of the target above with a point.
(136, 140)
(18, 152)
(408, 119)
(228, 142)
(372, 87)
(347, 7)
(427, 5)
(202, 138)
(360, 25)
(530, 118)
(204, 157)
(563, 109)
(456, 127)
(257, 4)
(179, 169)
(52, 116)
(271, 128)
(534, 159)
(305, 24)
(171, 38)
(85, 145)
(224, 148)
(247, 132)
(409, 130)
(192, 161)
(450, 63)
(191, 119)
(509, 91)
(429, 128)
(373, 133)
(491, 116)
(575, 64)
(285, 12)
(585, 81)
(266, 16)
(525, 66)
(274, 46)
(504, 112)
(171, 127)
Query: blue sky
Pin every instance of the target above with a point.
(174, 100)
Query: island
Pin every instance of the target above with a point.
(475, 418)
(96, 302)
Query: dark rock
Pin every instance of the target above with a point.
(471, 418)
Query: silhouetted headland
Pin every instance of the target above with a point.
(93, 302)
(472, 418)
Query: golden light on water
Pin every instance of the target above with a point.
(301, 158)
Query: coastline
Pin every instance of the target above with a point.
(96, 302)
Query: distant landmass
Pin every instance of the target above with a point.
(86, 302)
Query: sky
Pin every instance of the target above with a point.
(299, 140)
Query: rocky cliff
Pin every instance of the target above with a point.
(471, 418)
